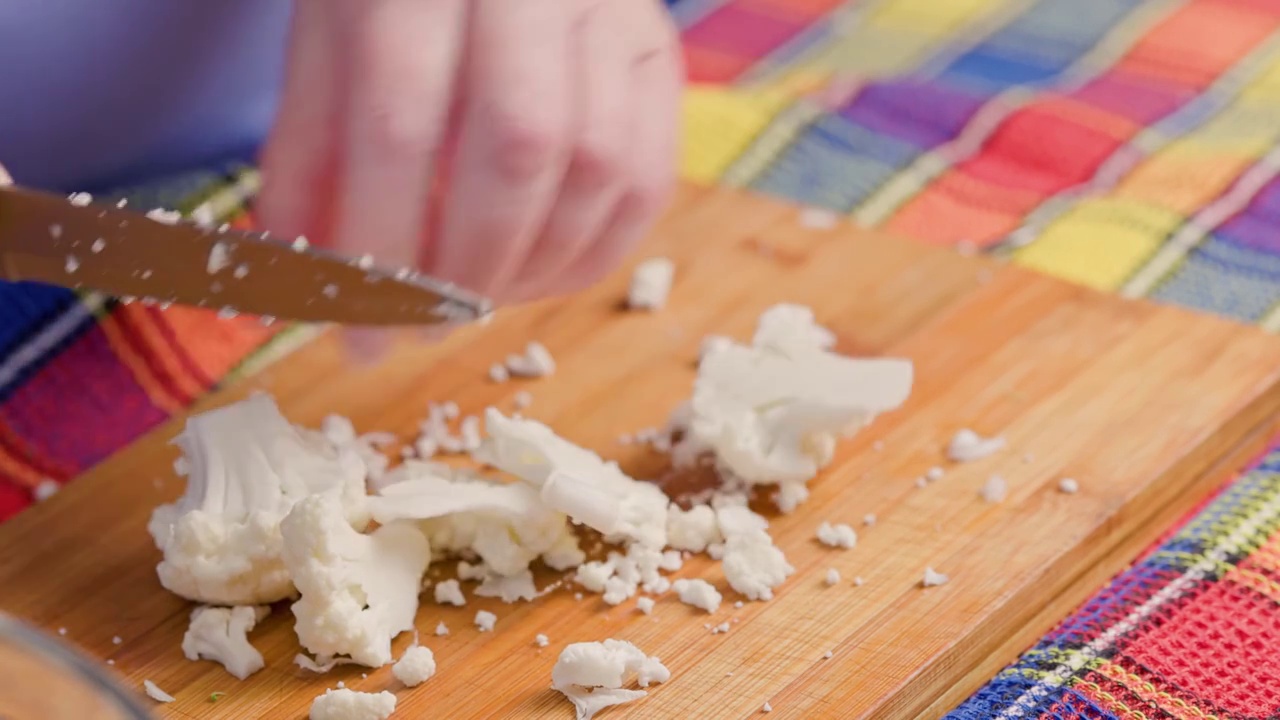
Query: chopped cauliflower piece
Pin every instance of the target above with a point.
(1068, 486)
(772, 413)
(967, 446)
(45, 489)
(221, 634)
(541, 640)
(833, 577)
(442, 629)
(155, 693)
(650, 284)
(485, 620)
(358, 591)
(591, 674)
(693, 529)
(449, 592)
(536, 362)
(645, 605)
(247, 466)
(344, 704)
(790, 495)
(698, 593)
(512, 588)
(933, 578)
(837, 536)
(995, 490)
(415, 666)
(754, 566)
(787, 327)
(576, 481)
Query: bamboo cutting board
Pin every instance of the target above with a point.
(1137, 402)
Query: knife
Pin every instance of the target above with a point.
(76, 244)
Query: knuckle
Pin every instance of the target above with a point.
(524, 143)
(397, 134)
(597, 163)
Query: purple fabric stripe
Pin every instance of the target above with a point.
(923, 113)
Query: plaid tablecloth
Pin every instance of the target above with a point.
(1123, 144)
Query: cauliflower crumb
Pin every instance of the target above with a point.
(344, 704)
(698, 593)
(651, 284)
(219, 258)
(536, 362)
(155, 693)
(522, 399)
(415, 667)
(645, 605)
(591, 674)
(858, 581)
(967, 446)
(841, 535)
(833, 576)
(816, 218)
(995, 490)
(72, 264)
(1068, 486)
(498, 373)
(45, 489)
(449, 593)
(442, 629)
(80, 199)
(766, 708)
(933, 474)
(922, 483)
(869, 519)
(485, 620)
(827, 655)
(933, 578)
(164, 217)
(541, 640)
(98, 246)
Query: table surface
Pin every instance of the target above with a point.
(1136, 401)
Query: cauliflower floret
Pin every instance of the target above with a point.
(591, 674)
(415, 667)
(788, 327)
(576, 481)
(221, 635)
(344, 704)
(773, 417)
(246, 468)
(358, 591)
(754, 566)
(698, 593)
(693, 529)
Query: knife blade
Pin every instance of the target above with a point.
(65, 241)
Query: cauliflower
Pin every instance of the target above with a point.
(591, 674)
(344, 704)
(246, 467)
(358, 591)
(415, 667)
(506, 525)
(772, 413)
(576, 481)
(220, 634)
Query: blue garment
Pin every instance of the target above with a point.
(102, 92)
(98, 93)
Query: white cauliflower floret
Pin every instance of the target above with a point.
(358, 591)
(754, 566)
(788, 327)
(344, 704)
(697, 593)
(247, 466)
(576, 481)
(693, 529)
(506, 525)
(415, 667)
(591, 674)
(221, 635)
(773, 417)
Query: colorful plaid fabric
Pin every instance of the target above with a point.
(1190, 631)
(1130, 145)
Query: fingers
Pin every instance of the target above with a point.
(5, 178)
(405, 56)
(598, 161)
(513, 145)
(298, 160)
(653, 137)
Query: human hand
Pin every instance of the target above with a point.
(519, 149)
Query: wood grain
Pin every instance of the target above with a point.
(1137, 402)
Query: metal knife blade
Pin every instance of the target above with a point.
(51, 239)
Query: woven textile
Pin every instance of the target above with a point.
(1189, 631)
(1127, 145)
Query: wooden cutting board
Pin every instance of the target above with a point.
(1139, 403)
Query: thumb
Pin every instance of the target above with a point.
(5, 178)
